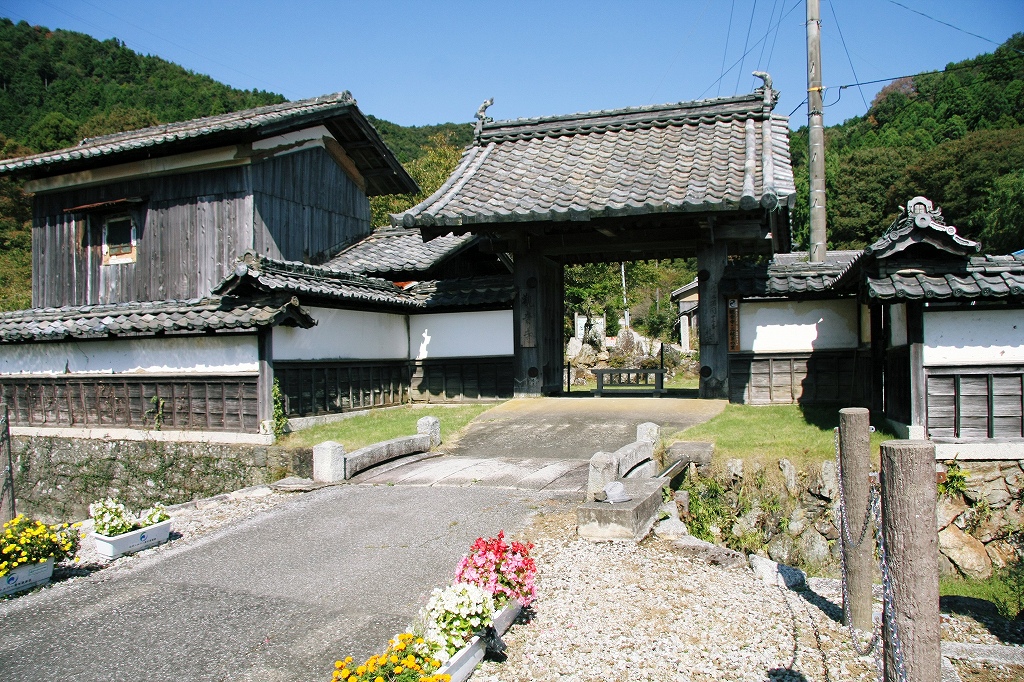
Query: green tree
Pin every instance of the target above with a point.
(53, 131)
(117, 120)
(440, 157)
(1003, 215)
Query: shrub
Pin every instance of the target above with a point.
(956, 480)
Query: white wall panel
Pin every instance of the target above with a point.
(460, 335)
(798, 326)
(344, 335)
(205, 354)
(981, 337)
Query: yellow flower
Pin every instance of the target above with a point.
(393, 659)
(360, 670)
(378, 679)
(345, 673)
(398, 670)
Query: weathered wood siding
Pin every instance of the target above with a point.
(189, 230)
(204, 403)
(306, 207)
(820, 377)
(897, 394)
(975, 402)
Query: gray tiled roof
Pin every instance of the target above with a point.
(788, 274)
(691, 156)
(146, 318)
(370, 154)
(999, 277)
(395, 250)
(260, 274)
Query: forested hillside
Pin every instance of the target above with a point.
(956, 137)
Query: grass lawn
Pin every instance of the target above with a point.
(997, 590)
(380, 425)
(770, 432)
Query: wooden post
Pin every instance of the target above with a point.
(911, 543)
(915, 339)
(712, 320)
(854, 468)
(265, 381)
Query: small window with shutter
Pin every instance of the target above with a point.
(118, 239)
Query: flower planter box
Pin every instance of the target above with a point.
(26, 577)
(133, 540)
(464, 662)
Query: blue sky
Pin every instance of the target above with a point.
(427, 62)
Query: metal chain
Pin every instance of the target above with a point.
(888, 610)
(874, 510)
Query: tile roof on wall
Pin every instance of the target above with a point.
(213, 313)
(260, 274)
(691, 156)
(397, 250)
(788, 274)
(989, 277)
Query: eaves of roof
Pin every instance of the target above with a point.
(203, 315)
(393, 250)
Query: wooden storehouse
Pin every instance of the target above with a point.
(147, 310)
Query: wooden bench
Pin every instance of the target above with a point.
(630, 380)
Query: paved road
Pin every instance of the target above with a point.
(277, 597)
(575, 428)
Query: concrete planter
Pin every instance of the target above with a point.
(132, 541)
(26, 577)
(466, 659)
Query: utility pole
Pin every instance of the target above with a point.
(625, 301)
(815, 125)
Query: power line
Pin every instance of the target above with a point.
(746, 41)
(923, 73)
(946, 23)
(764, 37)
(728, 34)
(771, 52)
(848, 57)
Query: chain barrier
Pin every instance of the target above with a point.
(873, 511)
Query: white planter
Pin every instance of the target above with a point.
(464, 662)
(133, 540)
(25, 577)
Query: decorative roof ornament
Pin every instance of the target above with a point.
(482, 118)
(921, 222)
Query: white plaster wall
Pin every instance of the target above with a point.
(980, 337)
(898, 324)
(219, 354)
(344, 335)
(795, 326)
(457, 335)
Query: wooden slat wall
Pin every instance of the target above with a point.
(975, 402)
(331, 387)
(189, 231)
(306, 221)
(462, 380)
(204, 403)
(820, 377)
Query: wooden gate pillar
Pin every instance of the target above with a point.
(712, 321)
(537, 325)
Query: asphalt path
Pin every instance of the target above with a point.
(279, 596)
(575, 428)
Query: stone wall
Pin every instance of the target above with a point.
(55, 479)
(795, 521)
(980, 529)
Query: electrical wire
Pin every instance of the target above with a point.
(746, 41)
(764, 37)
(797, 107)
(925, 73)
(682, 46)
(728, 34)
(760, 56)
(946, 23)
(835, 18)
(771, 52)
